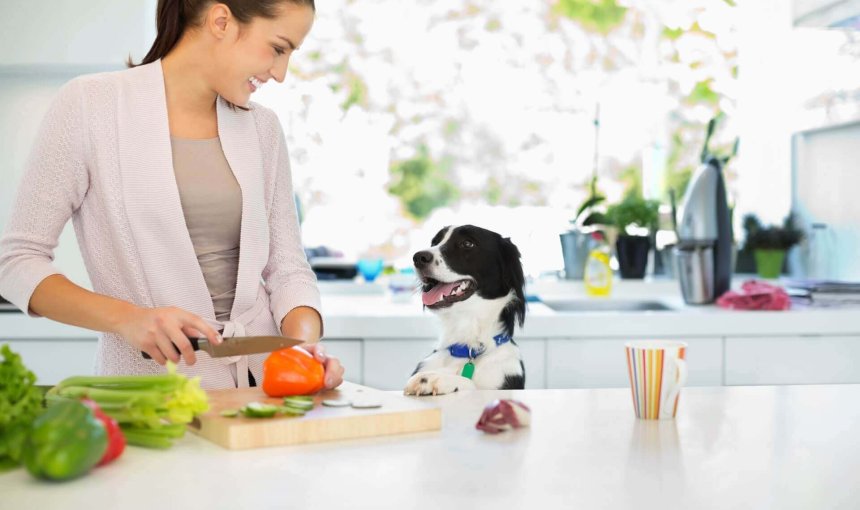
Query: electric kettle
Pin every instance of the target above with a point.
(704, 229)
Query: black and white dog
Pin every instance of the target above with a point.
(473, 279)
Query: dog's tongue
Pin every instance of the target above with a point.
(435, 294)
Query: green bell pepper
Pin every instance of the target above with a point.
(65, 441)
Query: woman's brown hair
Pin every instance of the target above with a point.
(174, 17)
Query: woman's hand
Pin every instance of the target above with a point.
(163, 333)
(305, 323)
(333, 369)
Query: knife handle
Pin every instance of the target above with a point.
(195, 345)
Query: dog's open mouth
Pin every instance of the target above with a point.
(442, 294)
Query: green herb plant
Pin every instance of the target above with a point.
(771, 237)
(634, 211)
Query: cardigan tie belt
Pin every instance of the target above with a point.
(236, 327)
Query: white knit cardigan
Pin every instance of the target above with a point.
(103, 158)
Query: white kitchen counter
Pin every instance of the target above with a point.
(363, 311)
(789, 447)
(376, 316)
(380, 339)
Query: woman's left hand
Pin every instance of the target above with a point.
(333, 369)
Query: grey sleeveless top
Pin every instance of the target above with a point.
(212, 205)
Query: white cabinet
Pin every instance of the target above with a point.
(550, 363)
(533, 351)
(388, 364)
(90, 33)
(601, 363)
(349, 352)
(53, 360)
(792, 360)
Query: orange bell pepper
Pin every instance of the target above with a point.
(292, 371)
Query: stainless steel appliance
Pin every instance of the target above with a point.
(704, 250)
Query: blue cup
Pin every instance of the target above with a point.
(370, 268)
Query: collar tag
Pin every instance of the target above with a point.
(468, 370)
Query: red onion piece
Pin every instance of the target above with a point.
(504, 414)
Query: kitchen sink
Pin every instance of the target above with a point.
(607, 305)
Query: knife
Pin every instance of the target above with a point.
(240, 345)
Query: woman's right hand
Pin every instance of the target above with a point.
(163, 333)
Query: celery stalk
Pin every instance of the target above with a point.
(146, 439)
(152, 409)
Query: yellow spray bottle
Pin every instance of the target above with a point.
(598, 272)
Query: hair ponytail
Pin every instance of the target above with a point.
(170, 23)
(174, 16)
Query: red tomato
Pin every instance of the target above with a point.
(292, 372)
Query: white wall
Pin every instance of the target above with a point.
(797, 79)
(764, 112)
(44, 43)
(784, 72)
(75, 32)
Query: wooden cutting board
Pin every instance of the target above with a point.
(397, 415)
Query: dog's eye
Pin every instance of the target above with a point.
(467, 244)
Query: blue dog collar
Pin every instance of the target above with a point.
(466, 351)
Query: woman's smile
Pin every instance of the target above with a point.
(254, 83)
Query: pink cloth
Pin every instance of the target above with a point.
(756, 295)
(103, 158)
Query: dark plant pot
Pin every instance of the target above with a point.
(632, 254)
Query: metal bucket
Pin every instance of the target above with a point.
(575, 247)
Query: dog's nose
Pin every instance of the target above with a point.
(422, 258)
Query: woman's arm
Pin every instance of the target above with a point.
(289, 279)
(57, 298)
(303, 323)
(160, 332)
(54, 184)
(292, 285)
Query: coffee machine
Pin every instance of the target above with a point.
(704, 249)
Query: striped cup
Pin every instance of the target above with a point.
(657, 372)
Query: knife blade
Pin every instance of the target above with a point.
(241, 345)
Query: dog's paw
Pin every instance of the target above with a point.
(434, 383)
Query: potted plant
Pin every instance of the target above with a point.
(578, 241)
(636, 219)
(769, 244)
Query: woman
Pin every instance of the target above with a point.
(180, 193)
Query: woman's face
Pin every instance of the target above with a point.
(252, 54)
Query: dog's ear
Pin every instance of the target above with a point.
(513, 277)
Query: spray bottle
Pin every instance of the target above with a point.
(598, 272)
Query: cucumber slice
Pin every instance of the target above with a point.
(306, 403)
(304, 398)
(291, 411)
(230, 413)
(259, 410)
